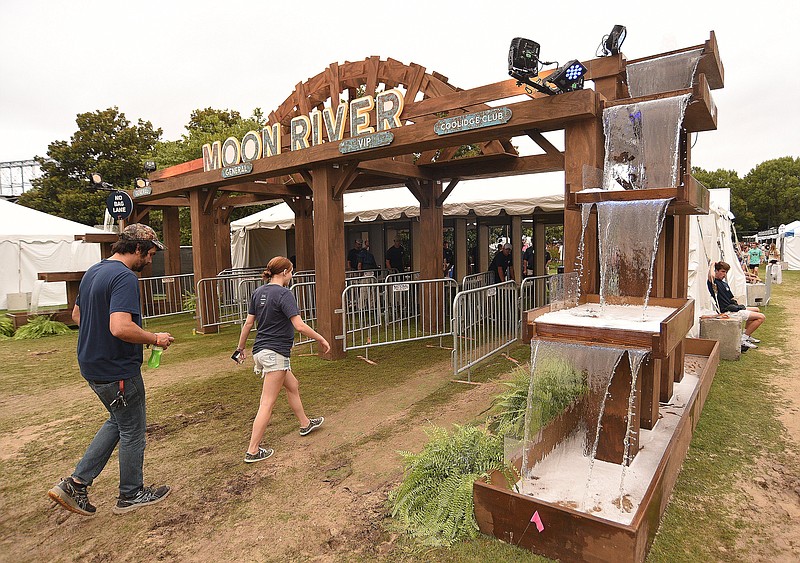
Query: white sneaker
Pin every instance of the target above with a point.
(751, 339)
(747, 343)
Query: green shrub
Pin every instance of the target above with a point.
(39, 327)
(6, 327)
(434, 501)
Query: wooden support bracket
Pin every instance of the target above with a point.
(347, 174)
(450, 187)
(207, 199)
(416, 190)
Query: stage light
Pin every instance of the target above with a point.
(149, 165)
(612, 43)
(523, 58)
(569, 77)
(97, 182)
(141, 183)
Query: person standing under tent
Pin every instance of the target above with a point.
(527, 262)
(394, 257)
(352, 255)
(502, 264)
(755, 256)
(110, 338)
(447, 260)
(366, 260)
(273, 309)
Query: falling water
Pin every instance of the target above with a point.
(628, 240)
(663, 74)
(642, 142)
(586, 212)
(635, 357)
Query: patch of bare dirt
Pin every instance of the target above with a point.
(773, 487)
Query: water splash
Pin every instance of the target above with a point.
(628, 240)
(636, 358)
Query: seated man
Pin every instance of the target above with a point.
(723, 295)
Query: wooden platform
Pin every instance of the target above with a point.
(690, 198)
(570, 535)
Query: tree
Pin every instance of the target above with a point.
(745, 219)
(206, 126)
(106, 143)
(772, 191)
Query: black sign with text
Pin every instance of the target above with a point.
(119, 205)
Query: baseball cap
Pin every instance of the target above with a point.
(507, 245)
(141, 233)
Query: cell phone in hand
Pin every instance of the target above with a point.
(237, 357)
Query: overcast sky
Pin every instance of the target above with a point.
(160, 60)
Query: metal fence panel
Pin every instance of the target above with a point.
(377, 314)
(223, 300)
(485, 320)
(473, 281)
(306, 296)
(167, 295)
(534, 293)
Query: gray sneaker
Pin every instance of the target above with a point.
(72, 496)
(260, 455)
(144, 497)
(313, 424)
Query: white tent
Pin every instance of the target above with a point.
(517, 195)
(33, 242)
(710, 241)
(791, 245)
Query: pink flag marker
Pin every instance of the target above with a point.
(536, 519)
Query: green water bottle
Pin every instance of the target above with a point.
(155, 357)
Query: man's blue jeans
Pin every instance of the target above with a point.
(126, 426)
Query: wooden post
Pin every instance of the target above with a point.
(431, 221)
(461, 249)
(483, 246)
(172, 240)
(583, 146)
(222, 238)
(329, 237)
(539, 247)
(303, 208)
(650, 374)
(203, 253)
(416, 253)
(516, 246)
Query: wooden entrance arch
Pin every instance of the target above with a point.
(427, 163)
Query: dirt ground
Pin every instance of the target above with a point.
(773, 488)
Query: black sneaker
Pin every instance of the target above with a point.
(260, 455)
(313, 424)
(72, 496)
(144, 497)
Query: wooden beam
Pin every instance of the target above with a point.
(207, 196)
(269, 188)
(553, 112)
(450, 187)
(537, 137)
(493, 167)
(416, 190)
(306, 175)
(347, 174)
(395, 169)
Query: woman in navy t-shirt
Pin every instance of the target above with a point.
(274, 311)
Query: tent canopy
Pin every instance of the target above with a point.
(33, 242)
(517, 195)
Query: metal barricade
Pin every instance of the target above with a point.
(239, 272)
(377, 314)
(533, 293)
(474, 281)
(167, 295)
(485, 320)
(306, 296)
(401, 277)
(223, 300)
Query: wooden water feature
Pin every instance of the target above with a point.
(632, 418)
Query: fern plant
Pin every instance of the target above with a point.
(189, 301)
(39, 327)
(434, 501)
(557, 386)
(6, 327)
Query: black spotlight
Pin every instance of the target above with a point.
(149, 165)
(612, 43)
(523, 58)
(568, 77)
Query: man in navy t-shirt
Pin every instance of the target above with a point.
(110, 338)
